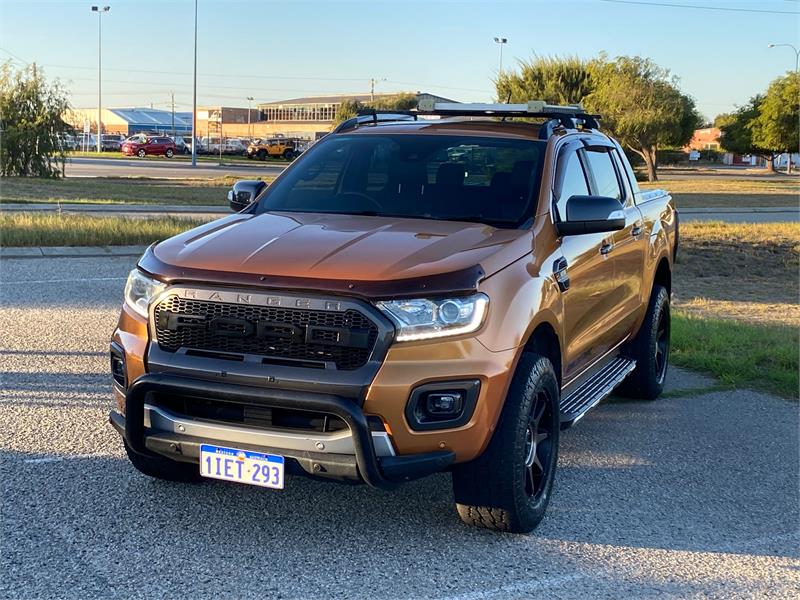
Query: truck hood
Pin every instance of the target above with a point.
(341, 247)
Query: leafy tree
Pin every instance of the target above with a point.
(31, 121)
(639, 103)
(641, 106)
(555, 80)
(736, 131)
(776, 127)
(349, 108)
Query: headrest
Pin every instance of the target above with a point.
(450, 174)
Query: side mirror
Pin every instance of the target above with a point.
(244, 192)
(591, 214)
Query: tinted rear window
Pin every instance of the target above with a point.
(456, 178)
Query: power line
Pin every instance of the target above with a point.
(695, 7)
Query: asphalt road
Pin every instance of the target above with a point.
(166, 168)
(695, 495)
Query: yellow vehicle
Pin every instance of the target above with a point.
(287, 148)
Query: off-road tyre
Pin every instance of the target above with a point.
(262, 155)
(497, 489)
(650, 350)
(164, 468)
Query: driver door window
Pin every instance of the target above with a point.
(573, 184)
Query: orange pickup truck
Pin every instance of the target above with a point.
(411, 296)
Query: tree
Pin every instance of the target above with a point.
(555, 80)
(776, 127)
(638, 101)
(31, 121)
(350, 108)
(642, 106)
(736, 131)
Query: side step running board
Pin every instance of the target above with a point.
(588, 394)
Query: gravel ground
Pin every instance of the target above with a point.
(690, 496)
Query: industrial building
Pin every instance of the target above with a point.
(130, 121)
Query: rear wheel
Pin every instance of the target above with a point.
(508, 487)
(650, 350)
(163, 468)
(288, 154)
(169, 153)
(141, 153)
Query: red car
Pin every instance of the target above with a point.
(160, 146)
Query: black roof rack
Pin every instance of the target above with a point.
(374, 116)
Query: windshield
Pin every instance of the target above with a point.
(454, 178)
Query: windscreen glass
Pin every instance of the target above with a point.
(454, 178)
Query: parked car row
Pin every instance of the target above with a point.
(159, 144)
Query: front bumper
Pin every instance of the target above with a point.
(363, 464)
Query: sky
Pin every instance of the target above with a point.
(280, 49)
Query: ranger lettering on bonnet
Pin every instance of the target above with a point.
(412, 296)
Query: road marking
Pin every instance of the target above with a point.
(52, 459)
(517, 588)
(63, 280)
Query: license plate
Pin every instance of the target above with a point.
(242, 466)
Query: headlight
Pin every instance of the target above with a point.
(140, 290)
(423, 318)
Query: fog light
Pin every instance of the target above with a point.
(118, 370)
(444, 403)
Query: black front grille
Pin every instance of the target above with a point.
(310, 337)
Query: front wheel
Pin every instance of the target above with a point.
(509, 486)
(141, 153)
(650, 350)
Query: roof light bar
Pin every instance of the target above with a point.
(532, 106)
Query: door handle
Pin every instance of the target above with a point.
(606, 248)
(636, 230)
(560, 274)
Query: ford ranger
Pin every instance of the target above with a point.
(443, 290)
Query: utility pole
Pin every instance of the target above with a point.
(172, 95)
(797, 73)
(194, 93)
(100, 10)
(249, 109)
(372, 83)
(501, 41)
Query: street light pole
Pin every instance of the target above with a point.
(100, 10)
(194, 93)
(249, 109)
(501, 41)
(797, 73)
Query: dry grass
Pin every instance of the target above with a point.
(716, 192)
(116, 190)
(53, 229)
(733, 262)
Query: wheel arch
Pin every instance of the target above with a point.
(544, 341)
(663, 275)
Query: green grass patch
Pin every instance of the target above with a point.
(117, 190)
(53, 229)
(763, 357)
